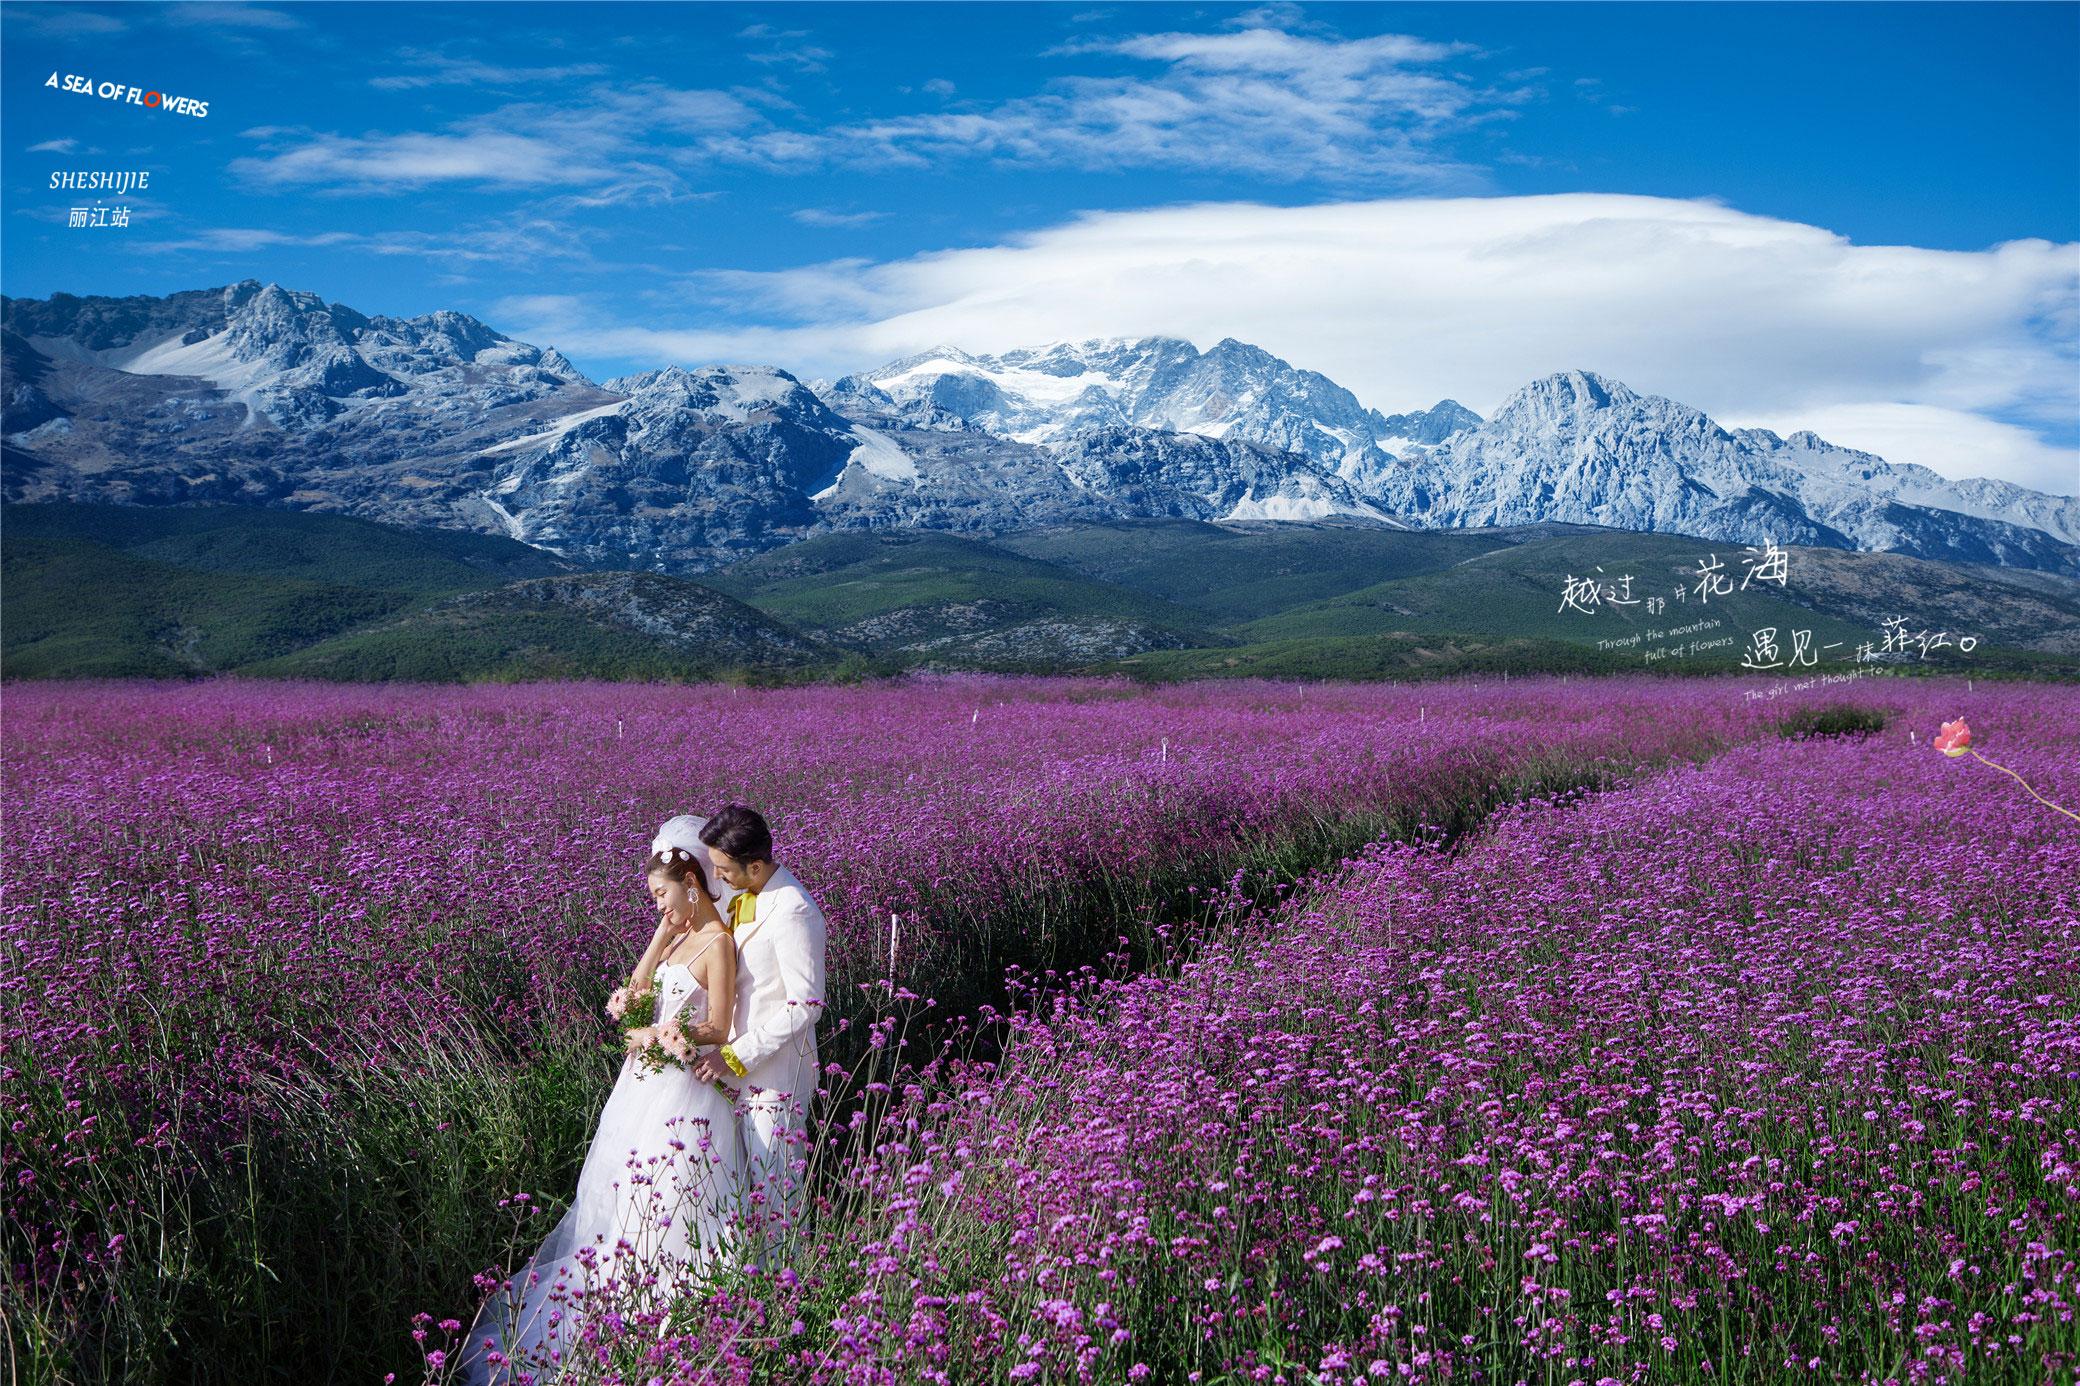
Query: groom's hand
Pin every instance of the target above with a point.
(709, 1067)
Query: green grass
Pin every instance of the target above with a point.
(1404, 657)
(1835, 719)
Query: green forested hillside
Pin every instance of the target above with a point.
(131, 590)
(76, 609)
(840, 583)
(1240, 573)
(645, 626)
(337, 549)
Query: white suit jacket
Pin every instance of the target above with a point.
(779, 991)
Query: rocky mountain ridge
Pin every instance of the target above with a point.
(261, 395)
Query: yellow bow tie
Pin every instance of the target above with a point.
(742, 907)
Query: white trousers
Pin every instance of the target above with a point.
(776, 1155)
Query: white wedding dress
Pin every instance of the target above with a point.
(647, 1182)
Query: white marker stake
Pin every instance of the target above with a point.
(1425, 716)
(270, 755)
(975, 717)
(617, 728)
(892, 947)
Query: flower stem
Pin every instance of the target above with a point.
(2025, 784)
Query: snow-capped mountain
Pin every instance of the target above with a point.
(673, 469)
(694, 468)
(1234, 391)
(1578, 446)
(263, 395)
(1196, 478)
(288, 357)
(255, 394)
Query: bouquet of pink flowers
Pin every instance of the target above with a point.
(668, 1043)
(632, 1008)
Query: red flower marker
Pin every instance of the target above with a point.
(1955, 739)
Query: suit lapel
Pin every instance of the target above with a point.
(761, 904)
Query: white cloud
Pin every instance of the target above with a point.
(823, 216)
(65, 146)
(806, 56)
(605, 137)
(440, 69)
(1407, 301)
(519, 240)
(1269, 96)
(64, 21)
(1260, 100)
(239, 240)
(205, 14)
(392, 163)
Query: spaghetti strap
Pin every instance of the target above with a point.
(703, 953)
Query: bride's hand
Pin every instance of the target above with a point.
(639, 1038)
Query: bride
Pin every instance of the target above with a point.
(665, 1172)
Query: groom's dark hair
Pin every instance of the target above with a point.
(741, 832)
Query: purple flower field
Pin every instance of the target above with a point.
(304, 980)
(211, 859)
(1765, 1070)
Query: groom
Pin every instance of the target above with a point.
(771, 1054)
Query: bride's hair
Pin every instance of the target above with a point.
(677, 864)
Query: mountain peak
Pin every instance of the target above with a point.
(1097, 342)
(1109, 357)
(942, 352)
(732, 392)
(1568, 392)
(1236, 390)
(1433, 425)
(1236, 346)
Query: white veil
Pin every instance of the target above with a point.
(684, 833)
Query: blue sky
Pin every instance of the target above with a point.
(1860, 218)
